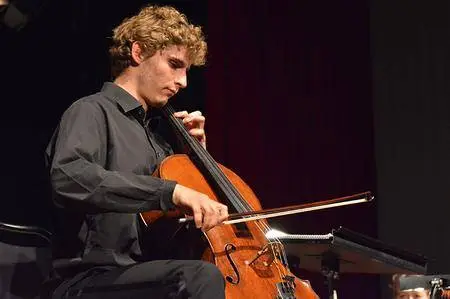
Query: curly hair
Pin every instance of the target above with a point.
(155, 28)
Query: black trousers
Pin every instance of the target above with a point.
(154, 279)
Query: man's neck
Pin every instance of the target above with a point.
(125, 82)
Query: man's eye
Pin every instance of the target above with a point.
(174, 64)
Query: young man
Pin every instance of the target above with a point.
(101, 158)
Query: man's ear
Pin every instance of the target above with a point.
(137, 53)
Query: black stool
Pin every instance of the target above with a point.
(25, 261)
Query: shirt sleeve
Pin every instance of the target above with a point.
(75, 156)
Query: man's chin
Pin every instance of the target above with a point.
(159, 103)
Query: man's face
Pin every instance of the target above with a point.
(413, 295)
(162, 75)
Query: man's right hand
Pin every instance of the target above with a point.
(207, 213)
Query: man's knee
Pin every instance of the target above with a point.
(211, 271)
(211, 275)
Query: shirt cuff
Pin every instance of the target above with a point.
(166, 202)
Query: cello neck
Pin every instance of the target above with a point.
(223, 188)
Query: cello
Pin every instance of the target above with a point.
(253, 266)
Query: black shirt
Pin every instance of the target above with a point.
(100, 159)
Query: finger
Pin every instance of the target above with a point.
(194, 118)
(198, 133)
(198, 216)
(195, 113)
(223, 214)
(184, 114)
(220, 214)
(181, 114)
(195, 122)
(213, 213)
(209, 218)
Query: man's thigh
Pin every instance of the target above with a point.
(154, 279)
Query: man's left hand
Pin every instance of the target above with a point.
(194, 123)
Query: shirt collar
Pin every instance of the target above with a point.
(125, 100)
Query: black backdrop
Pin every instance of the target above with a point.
(411, 75)
(305, 100)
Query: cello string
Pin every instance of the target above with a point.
(236, 198)
(213, 165)
(204, 156)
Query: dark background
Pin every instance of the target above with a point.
(305, 100)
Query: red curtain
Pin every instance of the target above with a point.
(289, 109)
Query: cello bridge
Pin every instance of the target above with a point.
(269, 251)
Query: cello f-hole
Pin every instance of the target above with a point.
(229, 248)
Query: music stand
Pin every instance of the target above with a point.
(345, 251)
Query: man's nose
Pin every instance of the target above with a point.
(181, 80)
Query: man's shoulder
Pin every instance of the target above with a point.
(96, 102)
(97, 99)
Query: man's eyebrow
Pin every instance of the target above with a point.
(179, 62)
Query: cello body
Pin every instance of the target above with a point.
(253, 267)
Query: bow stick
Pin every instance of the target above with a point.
(296, 209)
